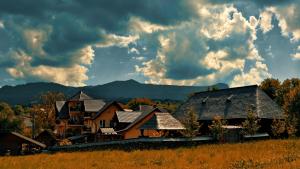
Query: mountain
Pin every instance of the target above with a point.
(117, 90)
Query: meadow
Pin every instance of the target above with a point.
(269, 154)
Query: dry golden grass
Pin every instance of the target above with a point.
(271, 154)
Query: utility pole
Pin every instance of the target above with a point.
(33, 125)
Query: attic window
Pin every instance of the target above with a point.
(229, 98)
(204, 100)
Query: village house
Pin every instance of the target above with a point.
(83, 115)
(232, 104)
(151, 122)
(13, 143)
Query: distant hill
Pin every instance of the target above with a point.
(117, 90)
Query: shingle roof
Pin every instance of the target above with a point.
(106, 106)
(142, 116)
(29, 139)
(107, 131)
(231, 103)
(80, 96)
(93, 105)
(163, 121)
(62, 109)
(127, 117)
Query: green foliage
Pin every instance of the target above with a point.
(292, 125)
(8, 119)
(278, 127)
(270, 86)
(217, 129)
(251, 124)
(292, 108)
(190, 122)
(135, 103)
(44, 113)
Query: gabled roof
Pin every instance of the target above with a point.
(93, 105)
(62, 109)
(231, 103)
(107, 105)
(127, 117)
(80, 96)
(163, 121)
(28, 139)
(141, 117)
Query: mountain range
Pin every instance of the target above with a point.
(118, 90)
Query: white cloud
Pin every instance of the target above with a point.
(134, 50)
(254, 76)
(115, 40)
(138, 25)
(85, 55)
(296, 56)
(288, 17)
(265, 21)
(139, 58)
(1, 24)
(220, 41)
(73, 75)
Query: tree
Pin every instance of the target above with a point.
(8, 119)
(285, 88)
(278, 127)
(217, 128)
(190, 122)
(270, 86)
(251, 124)
(291, 125)
(135, 103)
(292, 107)
(44, 113)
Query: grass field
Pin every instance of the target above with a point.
(271, 154)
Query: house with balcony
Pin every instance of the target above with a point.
(74, 116)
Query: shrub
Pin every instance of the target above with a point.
(190, 122)
(217, 129)
(251, 124)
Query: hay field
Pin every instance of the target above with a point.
(271, 154)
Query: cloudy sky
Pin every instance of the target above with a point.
(182, 42)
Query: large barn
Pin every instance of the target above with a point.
(232, 104)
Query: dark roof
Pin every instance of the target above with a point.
(93, 105)
(231, 103)
(163, 121)
(127, 117)
(80, 96)
(62, 109)
(107, 105)
(28, 139)
(141, 117)
(145, 108)
(148, 108)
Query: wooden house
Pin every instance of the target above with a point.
(82, 114)
(232, 104)
(151, 123)
(13, 143)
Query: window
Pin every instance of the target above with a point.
(102, 123)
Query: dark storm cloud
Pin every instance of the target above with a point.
(73, 24)
(261, 3)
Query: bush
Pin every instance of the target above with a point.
(217, 129)
(251, 124)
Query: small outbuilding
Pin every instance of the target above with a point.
(13, 143)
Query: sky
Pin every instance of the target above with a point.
(178, 42)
